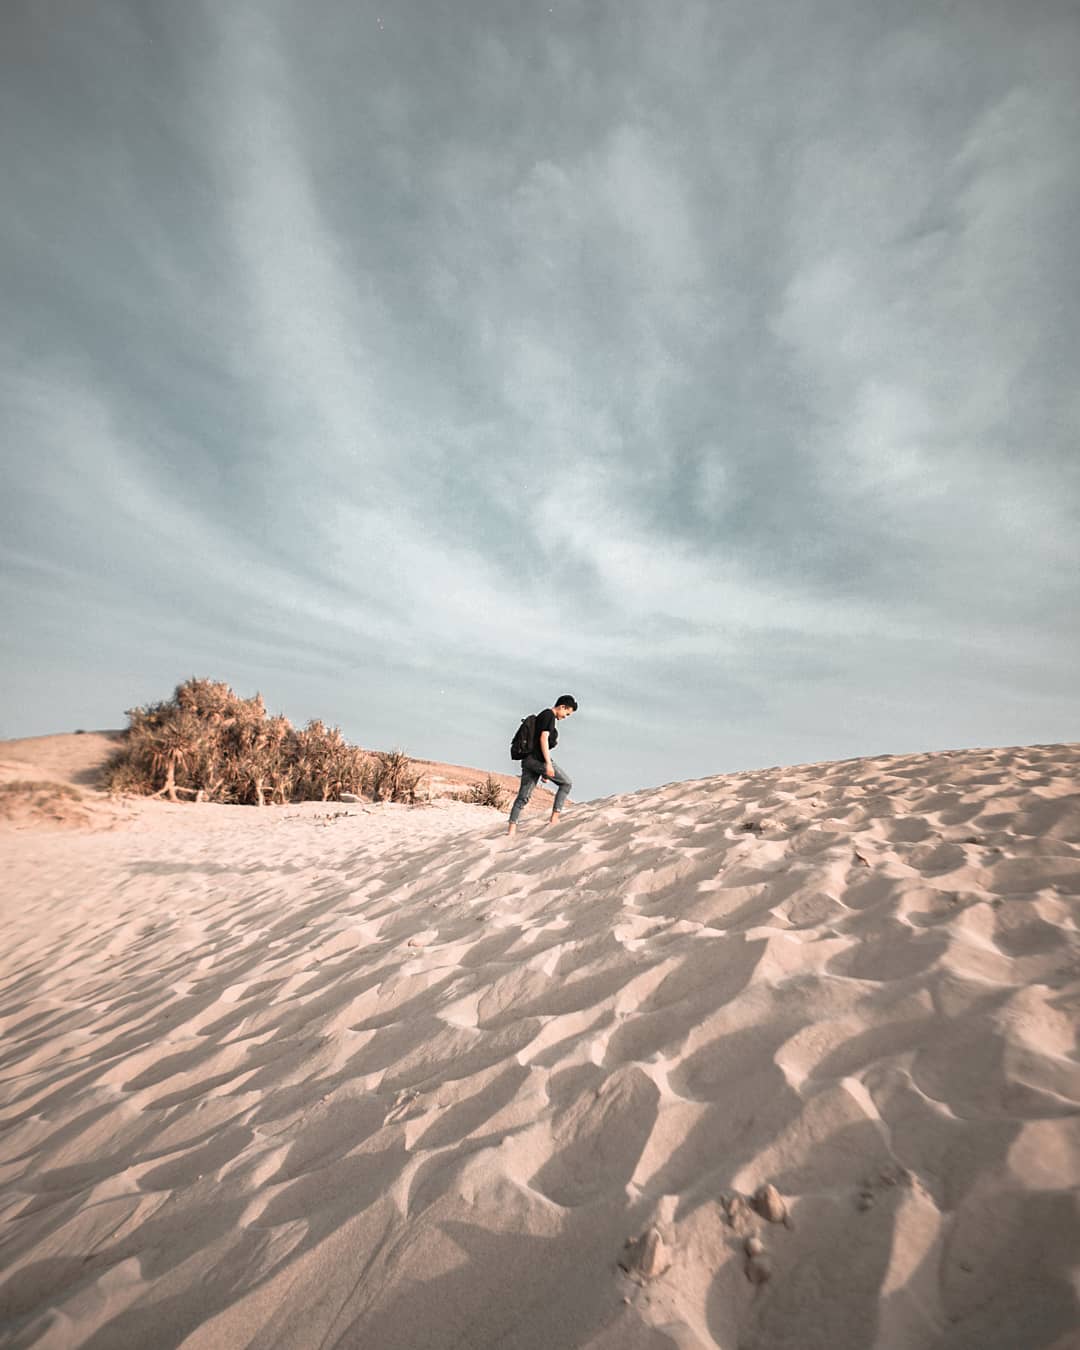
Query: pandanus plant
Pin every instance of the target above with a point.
(208, 742)
(172, 744)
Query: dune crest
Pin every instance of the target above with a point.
(780, 1059)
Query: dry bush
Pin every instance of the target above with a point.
(123, 777)
(210, 744)
(392, 777)
(488, 793)
(326, 765)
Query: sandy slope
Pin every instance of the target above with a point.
(70, 757)
(387, 1079)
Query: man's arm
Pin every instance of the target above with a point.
(545, 753)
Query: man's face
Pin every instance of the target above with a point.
(561, 711)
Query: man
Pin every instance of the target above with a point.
(538, 763)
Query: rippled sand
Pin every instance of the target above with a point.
(381, 1077)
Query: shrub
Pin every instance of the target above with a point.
(488, 793)
(209, 743)
(392, 778)
(122, 777)
(326, 765)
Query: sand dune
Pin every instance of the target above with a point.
(382, 1078)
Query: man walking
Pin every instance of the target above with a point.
(538, 763)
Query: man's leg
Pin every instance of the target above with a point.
(563, 784)
(531, 770)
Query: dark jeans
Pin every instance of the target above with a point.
(532, 770)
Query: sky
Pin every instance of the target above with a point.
(415, 364)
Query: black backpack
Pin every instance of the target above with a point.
(522, 744)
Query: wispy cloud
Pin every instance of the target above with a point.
(714, 366)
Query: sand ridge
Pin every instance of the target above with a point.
(383, 1077)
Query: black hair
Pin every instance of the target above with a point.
(566, 701)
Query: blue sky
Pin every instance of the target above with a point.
(714, 362)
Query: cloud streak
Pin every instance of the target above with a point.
(713, 366)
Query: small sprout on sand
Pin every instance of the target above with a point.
(770, 1204)
(865, 1200)
(752, 827)
(758, 1270)
(646, 1257)
(753, 1246)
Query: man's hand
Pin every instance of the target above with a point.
(549, 772)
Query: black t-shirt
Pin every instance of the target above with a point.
(546, 721)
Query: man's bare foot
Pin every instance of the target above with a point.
(512, 827)
(553, 821)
